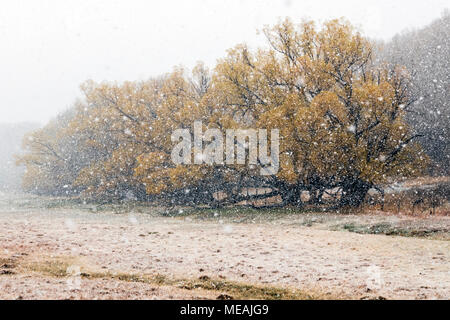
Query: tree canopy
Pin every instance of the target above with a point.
(340, 116)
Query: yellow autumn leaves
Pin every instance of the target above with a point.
(341, 122)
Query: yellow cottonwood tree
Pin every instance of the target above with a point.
(340, 119)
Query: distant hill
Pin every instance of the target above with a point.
(11, 136)
(426, 54)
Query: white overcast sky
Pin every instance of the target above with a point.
(47, 48)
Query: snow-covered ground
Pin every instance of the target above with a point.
(280, 253)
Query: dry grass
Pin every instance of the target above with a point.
(420, 201)
(60, 267)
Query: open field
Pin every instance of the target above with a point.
(54, 251)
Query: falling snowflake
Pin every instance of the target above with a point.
(228, 229)
(133, 220)
(351, 128)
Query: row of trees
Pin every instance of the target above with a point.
(341, 120)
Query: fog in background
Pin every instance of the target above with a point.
(11, 136)
(49, 47)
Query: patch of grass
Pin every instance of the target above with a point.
(390, 230)
(378, 228)
(6, 261)
(55, 267)
(58, 267)
(66, 202)
(248, 291)
(7, 266)
(233, 289)
(57, 203)
(237, 214)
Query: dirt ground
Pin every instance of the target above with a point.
(279, 253)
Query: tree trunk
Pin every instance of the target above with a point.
(354, 192)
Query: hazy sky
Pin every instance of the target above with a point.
(49, 47)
